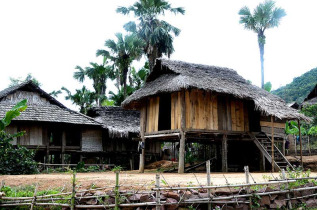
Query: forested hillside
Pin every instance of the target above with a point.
(299, 88)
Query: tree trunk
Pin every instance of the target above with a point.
(261, 42)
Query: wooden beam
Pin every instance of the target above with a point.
(300, 144)
(224, 156)
(143, 122)
(181, 157)
(272, 154)
(63, 147)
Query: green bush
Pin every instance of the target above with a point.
(14, 159)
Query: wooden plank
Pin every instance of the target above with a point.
(201, 110)
(157, 110)
(181, 162)
(173, 110)
(188, 108)
(228, 112)
(208, 111)
(193, 109)
(269, 124)
(233, 115)
(242, 114)
(215, 112)
(179, 111)
(238, 116)
(246, 118)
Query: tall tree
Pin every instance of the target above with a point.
(156, 33)
(123, 51)
(264, 16)
(19, 80)
(83, 98)
(98, 73)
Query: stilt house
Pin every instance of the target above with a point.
(54, 131)
(311, 98)
(185, 103)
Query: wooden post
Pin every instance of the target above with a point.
(208, 182)
(181, 154)
(224, 153)
(262, 162)
(63, 147)
(289, 203)
(300, 144)
(72, 205)
(157, 196)
(116, 190)
(34, 198)
(247, 180)
(294, 137)
(272, 135)
(142, 131)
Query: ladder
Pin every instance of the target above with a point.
(264, 143)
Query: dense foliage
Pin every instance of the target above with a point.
(14, 159)
(19, 80)
(299, 88)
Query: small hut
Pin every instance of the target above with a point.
(122, 128)
(57, 133)
(184, 102)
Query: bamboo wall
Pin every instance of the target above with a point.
(204, 110)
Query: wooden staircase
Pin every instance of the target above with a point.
(264, 143)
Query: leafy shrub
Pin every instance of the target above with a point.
(14, 159)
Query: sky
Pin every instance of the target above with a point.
(48, 38)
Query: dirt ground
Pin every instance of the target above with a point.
(127, 179)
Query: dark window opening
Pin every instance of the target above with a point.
(55, 137)
(164, 122)
(73, 137)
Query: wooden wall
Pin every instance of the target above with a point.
(201, 110)
(204, 110)
(152, 113)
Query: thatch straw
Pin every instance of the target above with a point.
(171, 76)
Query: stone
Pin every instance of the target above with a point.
(173, 195)
(162, 197)
(173, 206)
(226, 191)
(202, 190)
(195, 192)
(228, 208)
(92, 202)
(265, 200)
(273, 206)
(135, 197)
(203, 195)
(280, 203)
(144, 198)
(273, 197)
(109, 200)
(242, 206)
(311, 203)
(187, 195)
(99, 193)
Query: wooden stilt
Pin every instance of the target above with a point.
(300, 144)
(224, 154)
(181, 155)
(262, 162)
(142, 131)
(272, 145)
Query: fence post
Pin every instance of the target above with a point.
(72, 204)
(34, 198)
(247, 180)
(289, 203)
(116, 190)
(157, 196)
(208, 182)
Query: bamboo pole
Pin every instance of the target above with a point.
(157, 197)
(300, 144)
(181, 154)
(117, 191)
(289, 204)
(247, 180)
(72, 207)
(272, 144)
(208, 182)
(34, 198)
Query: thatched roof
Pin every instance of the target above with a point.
(47, 109)
(311, 98)
(119, 122)
(170, 76)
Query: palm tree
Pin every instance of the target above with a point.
(157, 34)
(122, 52)
(99, 73)
(265, 16)
(83, 98)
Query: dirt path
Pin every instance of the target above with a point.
(127, 179)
